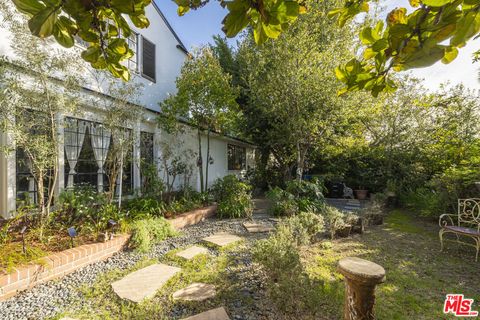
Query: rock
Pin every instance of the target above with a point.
(195, 292)
(192, 252)
(214, 314)
(257, 227)
(144, 283)
(222, 239)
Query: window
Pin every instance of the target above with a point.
(148, 60)
(132, 62)
(237, 157)
(26, 186)
(146, 147)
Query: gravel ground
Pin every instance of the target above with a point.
(47, 300)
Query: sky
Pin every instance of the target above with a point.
(197, 28)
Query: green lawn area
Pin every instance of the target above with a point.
(418, 274)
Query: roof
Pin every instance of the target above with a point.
(180, 45)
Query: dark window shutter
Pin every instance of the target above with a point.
(148, 67)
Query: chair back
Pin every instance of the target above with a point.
(469, 212)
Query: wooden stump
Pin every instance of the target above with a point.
(361, 278)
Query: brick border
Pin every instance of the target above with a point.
(57, 265)
(193, 217)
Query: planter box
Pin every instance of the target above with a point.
(58, 264)
(193, 217)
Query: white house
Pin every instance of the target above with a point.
(159, 55)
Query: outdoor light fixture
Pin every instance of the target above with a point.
(72, 233)
(22, 232)
(210, 160)
(112, 224)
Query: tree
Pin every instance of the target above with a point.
(32, 104)
(289, 96)
(121, 116)
(205, 99)
(406, 41)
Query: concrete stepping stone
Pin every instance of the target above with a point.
(195, 292)
(214, 314)
(144, 283)
(257, 227)
(192, 252)
(222, 239)
(274, 220)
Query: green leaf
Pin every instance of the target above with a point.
(380, 45)
(41, 24)
(62, 34)
(272, 31)
(30, 7)
(118, 46)
(467, 27)
(436, 3)
(140, 21)
(450, 54)
(421, 58)
(236, 20)
(91, 54)
(366, 36)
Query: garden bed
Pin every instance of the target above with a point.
(193, 217)
(57, 264)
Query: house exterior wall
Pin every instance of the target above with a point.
(169, 59)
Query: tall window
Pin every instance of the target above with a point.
(148, 60)
(237, 157)
(146, 157)
(25, 183)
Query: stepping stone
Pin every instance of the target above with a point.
(222, 239)
(195, 292)
(275, 220)
(144, 283)
(214, 314)
(192, 252)
(257, 227)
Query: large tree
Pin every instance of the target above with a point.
(205, 99)
(288, 90)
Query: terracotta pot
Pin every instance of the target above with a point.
(361, 194)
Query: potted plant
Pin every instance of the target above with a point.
(361, 193)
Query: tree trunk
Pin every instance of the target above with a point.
(200, 159)
(301, 151)
(120, 187)
(208, 159)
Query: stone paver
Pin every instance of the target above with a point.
(214, 314)
(257, 227)
(143, 283)
(222, 239)
(192, 252)
(274, 220)
(195, 292)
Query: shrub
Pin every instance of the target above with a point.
(233, 198)
(141, 208)
(147, 232)
(304, 227)
(283, 203)
(306, 189)
(279, 256)
(335, 220)
(423, 201)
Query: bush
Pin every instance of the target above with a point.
(299, 196)
(423, 201)
(141, 208)
(147, 232)
(306, 189)
(279, 256)
(335, 220)
(283, 203)
(304, 227)
(233, 198)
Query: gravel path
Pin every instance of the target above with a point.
(47, 300)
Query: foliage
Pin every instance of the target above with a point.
(335, 220)
(205, 99)
(298, 196)
(102, 25)
(142, 207)
(233, 197)
(147, 232)
(152, 184)
(12, 255)
(426, 32)
(279, 255)
(412, 37)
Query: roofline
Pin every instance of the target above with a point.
(180, 45)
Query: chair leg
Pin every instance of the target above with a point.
(477, 240)
(440, 233)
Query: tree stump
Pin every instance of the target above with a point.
(361, 278)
